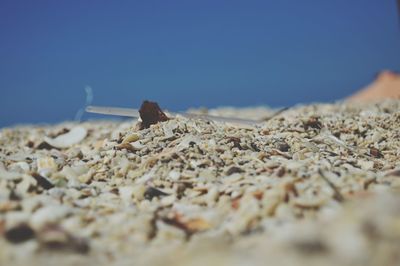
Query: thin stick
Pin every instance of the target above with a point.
(337, 195)
(280, 111)
(130, 112)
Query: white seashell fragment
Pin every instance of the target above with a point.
(46, 165)
(376, 137)
(174, 175)
(314, 202)
(48, 215)
(74, 136)
(20, 167)
(366, 165)
(186, 141)
(138, 191)
(137, 146)
(131, 138)
(168, 200)
(9, 175)
(169, 129)
(23, 186)
(126, 193)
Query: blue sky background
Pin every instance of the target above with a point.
(188, 53)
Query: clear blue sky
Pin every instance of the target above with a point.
(188, 53)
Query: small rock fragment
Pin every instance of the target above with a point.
(151, 114)
(152, 192)
(312, 122)
(236, 142)
(282, 146)
(374, 152)
(42, 181)
(234, 170)
(19, 234)
(45, 146)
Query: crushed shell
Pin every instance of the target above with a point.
(316, 184)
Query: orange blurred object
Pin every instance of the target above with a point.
(385, 86)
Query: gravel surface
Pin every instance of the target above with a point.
(316, 184)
